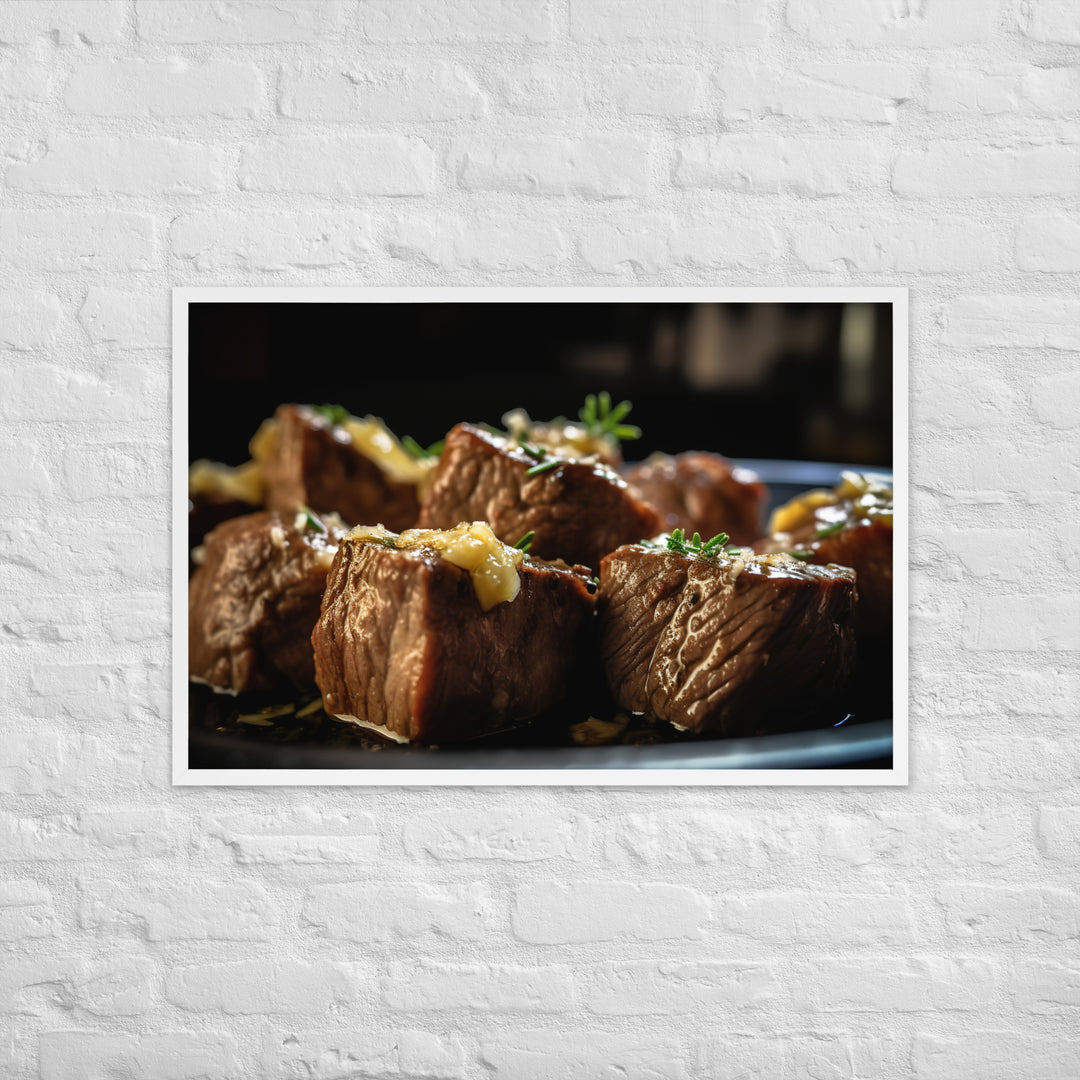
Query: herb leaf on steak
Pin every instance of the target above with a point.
(602, 419)
(708, 549)
(332, 414)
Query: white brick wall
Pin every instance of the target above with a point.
(932, 932)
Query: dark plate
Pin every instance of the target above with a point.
(859, 737)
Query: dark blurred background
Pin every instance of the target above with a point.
(794, 381)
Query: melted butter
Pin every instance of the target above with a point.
(264, 442)
(369, 436)
(853, 485)
(492, 565)
(870, 497)
(791, 515)
(379, 445)
(780, 559)
(245, 482)
(568, 440)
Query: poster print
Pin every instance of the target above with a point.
(540, 536)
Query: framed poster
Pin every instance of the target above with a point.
(540, 536)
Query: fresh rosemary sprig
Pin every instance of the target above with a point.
(830, 530)
(603, 420)
(333, 414)
(703, 549)
(544, 467)
(526, 541)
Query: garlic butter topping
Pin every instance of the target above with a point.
(472, 546)
(369, 436)
(244, 482)
(567, 440)
(372, 438)
(870, 497)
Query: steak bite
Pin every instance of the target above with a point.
(578, 510)
(700, 492)
(253, 601)
(851, 525)
(328, 460)
(437, 636)
(715, 643)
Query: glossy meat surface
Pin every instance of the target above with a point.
(701, 493)
(254, 600)
(716, 645)
(578, 511)
(403, 644)
(315, 463)
(852, 528)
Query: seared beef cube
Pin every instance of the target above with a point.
(726, 645)
(701, 493)
(355, 467)
(441, 636)
(254, 600)
(852, 526)
(578, 511)
(867, 547)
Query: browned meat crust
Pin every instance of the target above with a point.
(578, 511)
(315, 464)
(867, 548)
(840, 531)
(701, 493)
(254, 600)
(691, 641)
(402, 643)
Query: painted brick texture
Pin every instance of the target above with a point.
(930, 932)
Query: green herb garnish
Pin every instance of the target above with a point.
(418, 452)
(544, 467)
(333, 414)
(830, 530)
(707, 549)
(526, 541)
(311, 521)
(803, 555)
(537, 453)
(603, 420)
